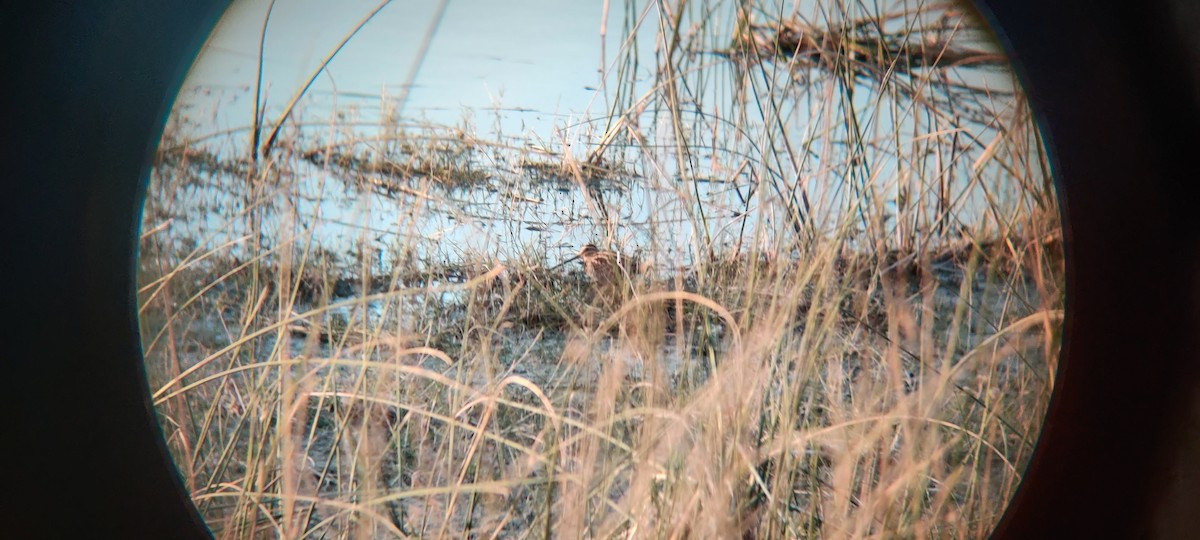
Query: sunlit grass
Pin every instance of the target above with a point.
(865, 349)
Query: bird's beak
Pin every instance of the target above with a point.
(564, 263)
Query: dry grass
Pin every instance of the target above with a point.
(865, 349)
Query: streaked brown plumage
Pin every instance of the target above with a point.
(606, 268)
(613, 276)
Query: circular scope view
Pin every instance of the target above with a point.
(611, 269)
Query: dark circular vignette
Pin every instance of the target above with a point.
(94, 82)
(1112, 85)
(1115, 95)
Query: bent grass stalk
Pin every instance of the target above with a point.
(865, 349)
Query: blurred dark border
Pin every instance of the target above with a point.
(89, 83)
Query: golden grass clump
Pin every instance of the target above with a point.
(842, 323)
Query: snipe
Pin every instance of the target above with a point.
(608, 269)
(613, 277)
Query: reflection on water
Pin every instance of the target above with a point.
(847, 318)
(752, 172)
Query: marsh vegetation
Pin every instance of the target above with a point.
(844, 322)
